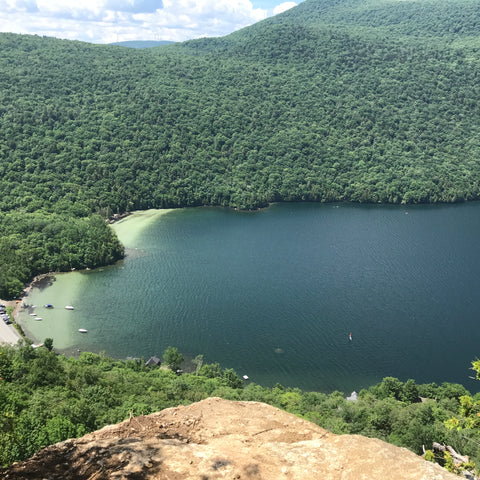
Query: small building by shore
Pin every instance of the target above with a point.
(153, 362)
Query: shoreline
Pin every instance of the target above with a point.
(13, 333)
(20, 303)
(128, 227)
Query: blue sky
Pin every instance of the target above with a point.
(106, 21)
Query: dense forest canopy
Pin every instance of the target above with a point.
(364, 101)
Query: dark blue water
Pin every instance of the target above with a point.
(274, 294)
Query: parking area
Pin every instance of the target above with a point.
(8, 334)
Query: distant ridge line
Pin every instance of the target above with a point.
(142, 43)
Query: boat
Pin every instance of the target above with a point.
(68, 307)
(82, 330)
(245, 377)
(48, 305)
(350, 336)
(38, 318)
(33, 314)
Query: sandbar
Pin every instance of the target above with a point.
(130, 228)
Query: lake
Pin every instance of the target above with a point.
(275, 294)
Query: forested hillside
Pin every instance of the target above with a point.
(364, 101)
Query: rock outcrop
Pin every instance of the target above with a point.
(220, 439)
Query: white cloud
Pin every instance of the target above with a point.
(20, 5)
(283, 7)
(105, 21)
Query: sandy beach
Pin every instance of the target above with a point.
(129, 228)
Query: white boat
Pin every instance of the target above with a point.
(82, 330)
(69, 307)
(38, 318)
(33, 314)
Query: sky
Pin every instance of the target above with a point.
(108, 21)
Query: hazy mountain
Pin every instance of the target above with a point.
(142, 43)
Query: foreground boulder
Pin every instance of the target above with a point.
(215, 439)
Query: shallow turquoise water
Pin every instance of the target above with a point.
(274, 294)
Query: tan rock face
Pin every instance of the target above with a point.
(219, 439)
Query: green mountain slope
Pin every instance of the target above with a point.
(366, 101)
(309, 105)
(401, 17)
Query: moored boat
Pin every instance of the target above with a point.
(68, 307)
(82, 330)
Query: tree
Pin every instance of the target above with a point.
(48, 344)
(466, 424)
(231, 379)
(469, 411)
(390, 387)
(45, 370)
(198, 362)
(410, 391)
(172, 358)
(211, 370)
